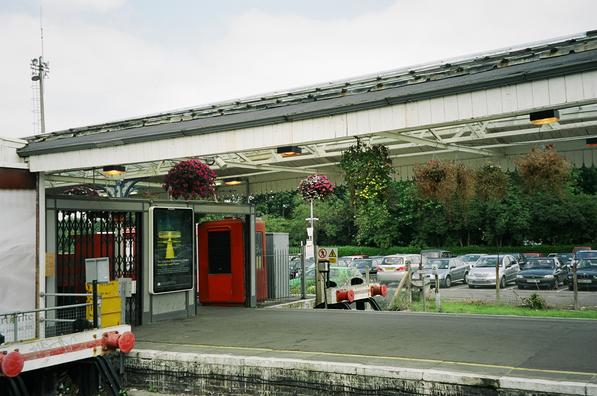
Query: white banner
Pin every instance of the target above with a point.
(17, 250)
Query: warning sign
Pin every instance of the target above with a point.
(327, 254)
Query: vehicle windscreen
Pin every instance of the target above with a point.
(486, 262)
(587, 264)
(392, 260)
(540, 264)
(586, 255)
(441, 264)
(431, 254)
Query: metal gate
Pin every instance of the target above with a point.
(91, 234)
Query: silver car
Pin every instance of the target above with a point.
(483, 273)
(393, 268)
(448, 271)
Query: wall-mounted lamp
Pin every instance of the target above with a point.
(235, 181)
(113, 170)
(289, 151)
(220, 162)
(544, 117)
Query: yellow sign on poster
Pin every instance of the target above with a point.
(50, 264)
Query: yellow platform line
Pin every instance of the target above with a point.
(352, 355)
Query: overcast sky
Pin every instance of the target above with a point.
(116, 59)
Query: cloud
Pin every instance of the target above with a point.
(89, 5)
(100, 72)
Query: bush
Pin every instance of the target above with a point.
(534, 301)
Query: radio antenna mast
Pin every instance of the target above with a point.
(39, 71)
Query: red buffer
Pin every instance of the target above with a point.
(345, 295)
(378, 290)
(11, 364)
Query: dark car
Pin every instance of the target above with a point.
(586, 274)
(565, 258)
(542, 272)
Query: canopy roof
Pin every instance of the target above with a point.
(469, 109)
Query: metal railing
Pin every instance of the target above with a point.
(51, 321)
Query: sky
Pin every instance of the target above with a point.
(118, 59)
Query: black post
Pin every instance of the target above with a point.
(95, 300)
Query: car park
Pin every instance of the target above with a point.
(341, 276)
(542, 272)
(586, 274)
(363, 265)
(469, 260)
(483, 273)
(449, 270)
(393, 268)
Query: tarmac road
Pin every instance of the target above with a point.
(560, 349)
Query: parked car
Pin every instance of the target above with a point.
(469, 260)
(583, 255)
(542, 272)
(586, 274)
(449, 270)
(363, 265)
(376, 261)
(565, 258)
(435, 253)
(393, 268)
(520, 259)
(483, 273)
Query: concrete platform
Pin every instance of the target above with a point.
(399, 352)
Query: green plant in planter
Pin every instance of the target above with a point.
(368, 171)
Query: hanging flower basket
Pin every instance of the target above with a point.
(315, 187)
(190, 179)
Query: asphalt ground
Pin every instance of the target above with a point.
(541, 348)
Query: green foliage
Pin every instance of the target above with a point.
(375, 225)
(585, 179)
(281, 204)
(475, 211)
(534, 301)
(368, 171)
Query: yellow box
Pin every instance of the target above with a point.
(111, 303)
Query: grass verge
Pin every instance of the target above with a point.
(482, 308)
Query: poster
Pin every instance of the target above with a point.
(172, 250)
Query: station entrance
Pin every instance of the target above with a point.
(123, 231)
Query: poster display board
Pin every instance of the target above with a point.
(172, 247)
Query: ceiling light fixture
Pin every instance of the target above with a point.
(232, 181)
(113, 170)
(544, 117)
(289, 151)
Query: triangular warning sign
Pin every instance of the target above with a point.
(332, 253)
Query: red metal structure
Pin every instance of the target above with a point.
(222, 266)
